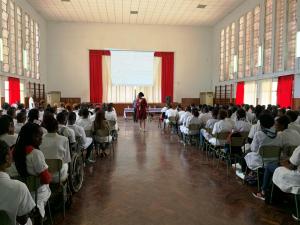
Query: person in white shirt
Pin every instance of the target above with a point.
(188, 113)
(241, 125)
(7, 130)
(289, 137)
(180, 111)
(55, 146)
(204, 116)
(21, 119)
(31, 103)
(85, 121)
(191, 120)
(111, 115)
(287, 176)
(15, 198)
(85, 142)
(229, 119)
(61, 107)
(220, 127)
(293, 117)
(63, 129)
(267, 136)
(171, 112)
(209, 125)
(12, 113)
(29, 160)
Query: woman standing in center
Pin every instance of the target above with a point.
(141, 106)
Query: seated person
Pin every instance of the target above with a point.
(267, 136)
(85, 142)
(15, 199)
(171, 112)
(29, 160)
(289, 137)
(100, 127)
(221, 126)
(229, 119)
(55, 146)
(12, 113)
(111, 115)
(183, 118)
(7, 130)
(293, 117)
(191, 120)
(287, 176)
(92, 117)
(63, 129)
(180, 111)
(21, 119)
(85, 122)
(241, 124)
(209, 125)
(204, 116)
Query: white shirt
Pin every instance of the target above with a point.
(254, 128)
(204, 117)
(164, 109)
(222, 126)
(85, 123)
(31, 103)
(289, 180)
(55, 146)
(111, 115)
(211, 123)
(289, 137)
(15, 199)
(18, 127)
(231, 121)
(171, 113)
(250, 117)
(67, 132)
(295, 126)
(180, 114)
(184, 117)
(242, 126)
(9, 139)
(79, 132)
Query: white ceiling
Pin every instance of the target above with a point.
(156, 12)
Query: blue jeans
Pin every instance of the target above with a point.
(268, 174)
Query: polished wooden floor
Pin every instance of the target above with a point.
(154, 180)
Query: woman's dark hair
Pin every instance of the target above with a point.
(222, 114)
(4, 148)
(11, 112)
(195, 112)
(25, 138)
(21, 117)
(293, 115)
(5, 122)
(215, 113)
(33, 115)
(85, 113)
(241, 114)
(266, 120)
(100, 117)
(72, 117)
(50, 124)
(284, 121)
(61, 118)
(141, 94)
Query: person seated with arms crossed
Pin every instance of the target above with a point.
(63, 129)
(289, 137)
(15, 198)
(55, 146)
(85, 142)
(7, 130)
(21, 119)
(30, 161)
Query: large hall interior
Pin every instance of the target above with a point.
(155, 112)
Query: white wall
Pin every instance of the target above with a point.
(69, 43)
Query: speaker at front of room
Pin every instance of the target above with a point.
(168, 100)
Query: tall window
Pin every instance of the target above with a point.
(27, 46)
(248, 44)
(279, 66)
(222, 53)
(232, 51)
(227, 52)
(12, 35)
(19, 42)
(241, 47)
(37, 51)
(291, 33)
(5, 36)
(268, 37)
(256, 28)
(32, 49)
(6, 91)
(250, 90)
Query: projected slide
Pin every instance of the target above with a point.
(131, 68)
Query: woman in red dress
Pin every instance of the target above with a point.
(141, 110)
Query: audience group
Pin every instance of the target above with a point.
(261, 126)
(28, 138)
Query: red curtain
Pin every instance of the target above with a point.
(167, 74)
(14, 90)
(96, 89)
(239, 98)
(285, 91)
